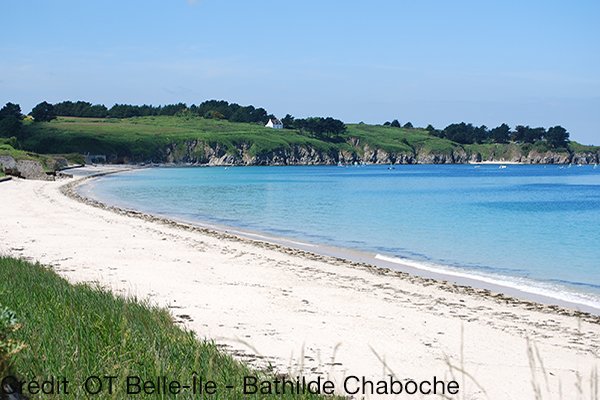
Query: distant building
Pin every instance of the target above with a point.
(274, 123)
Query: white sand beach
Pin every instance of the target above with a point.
(305, 313)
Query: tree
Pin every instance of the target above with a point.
(172, 109)
(395, 123)
(461, 133)
(232, 112)
(288, 122)
(43, 112)
(500, 134)
(10, 109)
(387, 123)
(557, 136)
(532, 135)
(259, 115)
(10, 126)
(408, 125)
(480, 134)
(433, 131)
(242, 114)
(328, 129)
(128, 111)
(71, 109)
(96, 111)
(520, 133)
(10, 120)
(222, 107)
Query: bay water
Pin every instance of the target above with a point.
(534, 227)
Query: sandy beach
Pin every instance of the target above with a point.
(305, 313)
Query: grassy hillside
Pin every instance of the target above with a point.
(399, 140)
(581, 148)
(150, 138)
(76, 331)
(145, 138)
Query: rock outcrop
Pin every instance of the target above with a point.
(198, 152)
(202, 153)
(28, 169)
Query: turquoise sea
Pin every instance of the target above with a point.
(535, 228)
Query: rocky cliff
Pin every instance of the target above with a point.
(202, 153)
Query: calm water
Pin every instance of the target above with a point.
(530, 225)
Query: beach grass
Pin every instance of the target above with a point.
(77, 331)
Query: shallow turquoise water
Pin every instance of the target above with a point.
(532, 225)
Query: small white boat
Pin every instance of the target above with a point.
(502, 167)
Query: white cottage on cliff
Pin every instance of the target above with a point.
(274, 123)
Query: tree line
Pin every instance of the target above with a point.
(323, 128)
(213, 109)
(11, 120)
(467, 133)
(556, 136)
(396, 124)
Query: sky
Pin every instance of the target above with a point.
(523, 62)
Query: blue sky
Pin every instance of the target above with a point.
(522, 62)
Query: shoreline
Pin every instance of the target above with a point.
(300, 312)
(530, 296)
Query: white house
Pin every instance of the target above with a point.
(274, 123)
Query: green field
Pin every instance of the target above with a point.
(77, 331)
(155, 139)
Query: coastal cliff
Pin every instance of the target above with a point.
(203, 153)
(202, 141)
